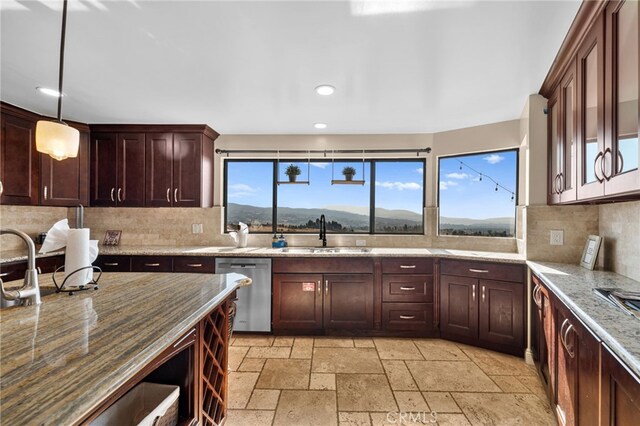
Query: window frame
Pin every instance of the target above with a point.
(372, 188)
(516, 190)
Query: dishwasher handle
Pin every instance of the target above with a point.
(242, 266)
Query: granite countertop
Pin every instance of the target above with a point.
(573, 285)
(60, 359)
(17, 255)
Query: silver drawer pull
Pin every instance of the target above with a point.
(194, 265)
(111, 263)
(479, 271)
(151, 264)
(185, 337)
(407, 317)
(407, 288)
(407, 266)
(4, 274)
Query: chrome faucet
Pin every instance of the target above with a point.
(323, 230)
(29, 293)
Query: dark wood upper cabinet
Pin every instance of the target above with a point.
(66, 182)
(117, 169)
(159, 173)
(18, 158)
(187, 169)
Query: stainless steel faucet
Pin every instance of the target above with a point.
(29, 293)
(323, 230)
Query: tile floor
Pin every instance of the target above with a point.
(287, 381)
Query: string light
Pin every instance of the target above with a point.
(481, 175)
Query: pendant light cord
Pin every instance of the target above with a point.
(61, 69)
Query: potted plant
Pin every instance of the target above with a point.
(292, 171)
(349, 172)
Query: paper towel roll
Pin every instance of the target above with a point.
(77, 256)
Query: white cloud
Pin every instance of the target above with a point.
(446, 184)
(400, 186)
(320, 165)
(456, 175)
(241, 190)
(493, 158)
(420, 170)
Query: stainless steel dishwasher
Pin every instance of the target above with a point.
(253, 312)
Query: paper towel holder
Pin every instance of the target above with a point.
(93, 284)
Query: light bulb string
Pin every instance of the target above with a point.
(483, 175)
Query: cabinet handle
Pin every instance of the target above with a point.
(479, 271)
(39, 270)
(603, 164)
(620, 163)
(561, 182)
(319, 288)
(4, 274)
(1, 188)
(112, 191)
(168, 195)
(537, 299)
(483, 294)
(111, 264)
(407, 288)
(152, 264)
(119, 193)
(569, 350)
(473, 292)
(556, 184)
(195, 265)
(326, 287)
(46, 192)
(175, 195)
(407, 266)
(407, 317)
(595, 167)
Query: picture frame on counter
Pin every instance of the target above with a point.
(590, 252)
(112, 238)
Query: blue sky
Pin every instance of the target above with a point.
(398, 185)
(463, 194)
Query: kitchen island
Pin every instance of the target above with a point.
(64, 361)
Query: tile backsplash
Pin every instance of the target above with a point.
(620, 228)
(29, 219)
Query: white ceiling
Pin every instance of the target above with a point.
(251, 67)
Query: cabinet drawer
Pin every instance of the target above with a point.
(48, 265)
(407, 265)
(151, 264)
(12, 271)
(484, 270)
(407, 288)
(197, 264)
(407, 316)
(323, 265)
(114, 263)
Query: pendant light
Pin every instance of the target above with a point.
(56, 138)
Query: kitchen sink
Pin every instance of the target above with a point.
(320, 250)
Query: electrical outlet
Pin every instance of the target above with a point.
(557, 237)
(196, 228)
(361, 243)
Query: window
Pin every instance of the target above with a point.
(477, 194)
(395, 187)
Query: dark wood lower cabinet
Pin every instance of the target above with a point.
(458, 307)
(408, 316)
(297, 301)
(542, 336)
(620, 392)
(348, 301)
(501, 313)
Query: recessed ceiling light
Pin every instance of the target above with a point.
(325, 90)
(49, 92)
(320, 125)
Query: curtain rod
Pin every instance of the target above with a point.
(325, 151)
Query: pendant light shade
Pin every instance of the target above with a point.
(57, 139)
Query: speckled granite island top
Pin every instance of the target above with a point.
(574, 286)
(59, 360)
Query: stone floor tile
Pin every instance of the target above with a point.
(252, 364)
(263, 399)
(268, 352)
(497, 364)
(323, 381)
(302, 348)
(510, 384)
(285, 374)
(330, 342)
(451, 420)
(236, 355)
(410, 401)
(535, 386)
(240, 388)
(364, 392)
(249, 417)
(504, 408)
(346, 360)
(283, 341)
(252, 340)
(395, 418)
(440, 350)
(346, 418)
(363, 343)
(397, 349)
(306, 408)
(450, 376)
(441, 402)
(399, 376)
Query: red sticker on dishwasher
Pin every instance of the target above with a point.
(308, 286)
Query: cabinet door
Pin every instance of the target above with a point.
(620, 392)
(18, 161)
(159, 170)
(542, 337)
(555, 148)
(187, 169)
(501, 311)
(131, 176)
(622, 92)
(568, 150)
(566, 372)
(458, 307)
(348, 301)
(65, 183)
(297, 301)
(104, 157)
